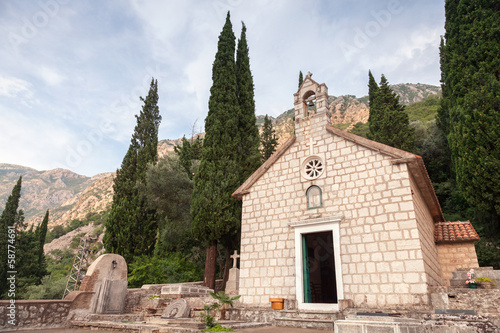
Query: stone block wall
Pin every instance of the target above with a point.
(425, 226)
(454, 256)
(381, 253)
(34, 313)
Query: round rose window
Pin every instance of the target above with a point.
(313, 168)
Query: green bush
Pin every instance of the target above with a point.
(218, 328)
(50, 288)
(173, 268)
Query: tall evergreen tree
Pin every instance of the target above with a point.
(131, 227)
(301, 78)
(469, 113)
(216, 214)
(41, 233)
(249, 154)
(388, 121)
(11, 218)
(373, 117)
(268, 139)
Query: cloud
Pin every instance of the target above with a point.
(14, 87)
(72, 86)
(50, 76)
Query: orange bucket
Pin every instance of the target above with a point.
(276, 303)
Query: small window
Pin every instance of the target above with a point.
(314, 198)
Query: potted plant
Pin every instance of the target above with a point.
(485, 282)
(471, 282)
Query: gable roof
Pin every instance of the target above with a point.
(415, 166)
(454, 232)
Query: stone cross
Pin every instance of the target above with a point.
(235, 257)
(311, 144)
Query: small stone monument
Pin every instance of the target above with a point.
(233, 282)
(177, 309)
(107, 278)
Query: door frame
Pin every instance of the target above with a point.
(311, 226)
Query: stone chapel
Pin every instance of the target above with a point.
(333, 217)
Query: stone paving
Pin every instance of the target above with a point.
(267, 329)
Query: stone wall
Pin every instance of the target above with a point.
(486, 302)
(425, 229)
(35, 313)
(381, 254)
(454, 256)
(41, 313)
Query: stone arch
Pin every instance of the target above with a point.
(308, 103)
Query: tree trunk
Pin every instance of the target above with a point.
(210, 266)
(226, 270)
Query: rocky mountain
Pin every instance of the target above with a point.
(66, 194)
(348, 110)
(71, 196)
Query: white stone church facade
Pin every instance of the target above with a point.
(334, 217)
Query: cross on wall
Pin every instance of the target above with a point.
(311, 145)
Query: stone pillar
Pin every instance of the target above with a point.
(233, 282)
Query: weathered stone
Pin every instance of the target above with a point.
(108, 274)
(184, 289)
(177, 309)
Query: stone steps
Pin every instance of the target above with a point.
(133, 327)
(318, 324)
(306, 319)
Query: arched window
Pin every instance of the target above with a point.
(314, 197)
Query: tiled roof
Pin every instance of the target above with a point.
(450, 232)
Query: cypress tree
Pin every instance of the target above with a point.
(268, 139)
(11, 219)
(250, 158)
(216, 214)
(388, 121)
(132, 225)
(41, 233)
(373, 117)
(301, 78)
(469, 113)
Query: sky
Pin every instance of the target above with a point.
(72, 72)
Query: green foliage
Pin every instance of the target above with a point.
(483, 279)
(388, 121)
(168, 190)
(301, 78)
(42, 234)
(248, 152)
(268, 140)
(132, 225)
(341, 126)
(173, 268)
(52, 286)
(188, 152)
(224, 299)
(425, 110)
(215, 213)
(49, 288)
(95, 218)
(361, 129)
(471, 99)
(17, 243)
(218, 328)
(207, 316)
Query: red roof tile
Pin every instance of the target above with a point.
(450, 232)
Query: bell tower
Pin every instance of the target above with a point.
(311, 108)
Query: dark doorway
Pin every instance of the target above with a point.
(319, 268)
